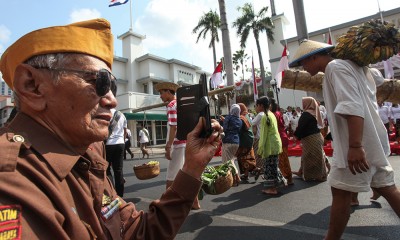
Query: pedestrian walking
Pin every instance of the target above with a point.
(359, 137)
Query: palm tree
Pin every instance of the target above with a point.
(259, 23)
(226, 44)
(239, 57)
(209, 22)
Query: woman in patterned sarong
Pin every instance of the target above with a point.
(245, 153)
(313, 166)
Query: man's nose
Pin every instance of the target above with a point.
(109, 100)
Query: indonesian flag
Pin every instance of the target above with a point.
(216, 78)
(254, 80)
(329, 38)
(283, 65)
(114, 3)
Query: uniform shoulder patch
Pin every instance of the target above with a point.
(10, 222)
(10, 145)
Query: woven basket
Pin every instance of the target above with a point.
(221, 185)
(145, 171)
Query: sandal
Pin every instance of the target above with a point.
(244, 178)
(328, 165)
(257, 173)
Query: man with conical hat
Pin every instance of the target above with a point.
(53, 168)
(359, 136)
(174, 148)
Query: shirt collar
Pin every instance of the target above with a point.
(58, 154)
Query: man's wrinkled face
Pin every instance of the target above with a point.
(74, 110)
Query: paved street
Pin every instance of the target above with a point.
(301, 211)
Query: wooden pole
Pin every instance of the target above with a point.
(210, 93)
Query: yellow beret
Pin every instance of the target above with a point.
(92, 37)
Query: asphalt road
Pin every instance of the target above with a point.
(301, 211)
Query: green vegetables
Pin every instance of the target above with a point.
(212, 173)
(153, 163)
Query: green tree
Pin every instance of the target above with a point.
(256, 23)
(209, 23)
(239, 57)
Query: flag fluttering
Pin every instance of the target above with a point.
(253, 73)
(329, 38)
(216, 78)
(114, 3)
(283, 65)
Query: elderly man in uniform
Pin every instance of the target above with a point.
(359, 136)
(52, 169)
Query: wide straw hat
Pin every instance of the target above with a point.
(167, 86)
(308, 48)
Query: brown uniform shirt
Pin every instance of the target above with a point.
(48, 191)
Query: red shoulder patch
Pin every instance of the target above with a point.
(10, 222)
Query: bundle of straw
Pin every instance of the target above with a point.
(389, 91)
(302, 80)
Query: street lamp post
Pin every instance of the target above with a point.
(275, 87)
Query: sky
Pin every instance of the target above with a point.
(168, 24)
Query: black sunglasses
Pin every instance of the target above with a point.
(104, 79)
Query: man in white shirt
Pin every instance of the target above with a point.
(144, 140)
(128, 143)
(115, 148)
(293, 123)
(359, 136)
(384, 114)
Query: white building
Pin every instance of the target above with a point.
(6, 106)
(137, 74)
(289, 97)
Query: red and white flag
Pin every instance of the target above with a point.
(283, 65)
(253, 73)
(114, 3)
(329, 38)
(216, 78)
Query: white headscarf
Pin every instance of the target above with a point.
(235, 110)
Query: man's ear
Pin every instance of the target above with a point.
(28, 83)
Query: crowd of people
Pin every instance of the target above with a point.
(56, 171)
(258, 143)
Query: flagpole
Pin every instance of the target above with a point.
(130, 13)
(380, 12)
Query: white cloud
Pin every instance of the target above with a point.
(4, 36)
(83, 14)
(169, 26)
